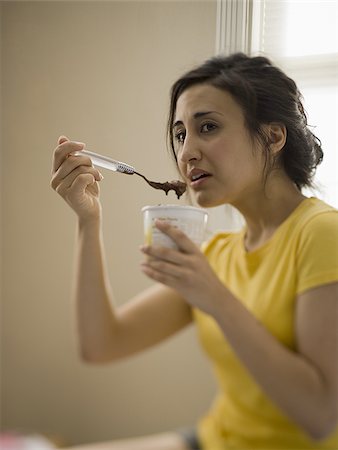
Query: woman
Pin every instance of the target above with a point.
(264, 300)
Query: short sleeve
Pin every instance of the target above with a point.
(317, 253)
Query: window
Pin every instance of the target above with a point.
(301, 36)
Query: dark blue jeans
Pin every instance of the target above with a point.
(190, 437)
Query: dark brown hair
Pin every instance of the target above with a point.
(266, 94)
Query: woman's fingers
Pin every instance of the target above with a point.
(162, 267)
(70, 169)
(62, 139)
(156, 275)
(166, 254)
(165, 263)
(181, 239)
(62, 151)
(75, 179)
(71, 164)
(62, 184)
(85, 181)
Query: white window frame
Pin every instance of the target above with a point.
(309, 69)
(233, 26)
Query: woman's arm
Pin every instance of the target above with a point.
(303, 383)
(106, 333)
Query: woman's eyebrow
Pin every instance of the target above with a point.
(197, 115)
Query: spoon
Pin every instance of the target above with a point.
(117, 166)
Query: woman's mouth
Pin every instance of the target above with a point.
(198, 178)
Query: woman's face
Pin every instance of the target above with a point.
(216, 155)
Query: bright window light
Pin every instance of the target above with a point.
(311, 27)
(321, 104)
(301, 36)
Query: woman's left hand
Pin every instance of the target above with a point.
(186, 270)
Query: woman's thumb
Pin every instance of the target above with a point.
(62, 139)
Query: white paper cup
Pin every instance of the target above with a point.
(190, 219)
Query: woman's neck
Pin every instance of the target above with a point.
(264, 211)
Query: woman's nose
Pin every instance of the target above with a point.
(190, 150)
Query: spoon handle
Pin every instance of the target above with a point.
(106, 162)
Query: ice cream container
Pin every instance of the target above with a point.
(190, 219)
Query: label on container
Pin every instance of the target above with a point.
(194, 230)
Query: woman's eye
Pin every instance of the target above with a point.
(207, 127)
(179, 136)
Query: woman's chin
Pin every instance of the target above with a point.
(205, 201)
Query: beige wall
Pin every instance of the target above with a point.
(1, 219)
(99, 72)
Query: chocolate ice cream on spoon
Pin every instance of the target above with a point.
(178, 186)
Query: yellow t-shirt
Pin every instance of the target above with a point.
(302, 254)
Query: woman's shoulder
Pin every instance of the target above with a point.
(316, 231)
(317, 215)
(317, 246)
(314, 223)
(220, 240)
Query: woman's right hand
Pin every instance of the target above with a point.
(76, 180)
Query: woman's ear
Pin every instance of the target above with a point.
(277, 136)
